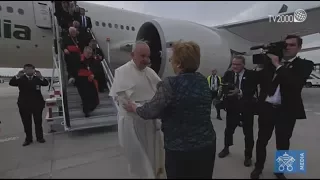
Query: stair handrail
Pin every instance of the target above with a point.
(62, 75)
(104, 61)
(53, 48)
(108, 49)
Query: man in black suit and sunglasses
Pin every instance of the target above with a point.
(280, 102)
(30, 100)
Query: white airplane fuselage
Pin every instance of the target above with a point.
(27, 37)
(23, 41)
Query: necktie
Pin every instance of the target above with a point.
(84, 21)
(237, 81)
(286, 64)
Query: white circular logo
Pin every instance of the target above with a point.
(300, 15)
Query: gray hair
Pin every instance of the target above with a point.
(137, 43)
(72, 29)
(87, 48)
(240, 58)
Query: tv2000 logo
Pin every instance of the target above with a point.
(299, 15)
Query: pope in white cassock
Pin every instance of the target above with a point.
(141, 140)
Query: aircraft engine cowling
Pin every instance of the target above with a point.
(160, 33)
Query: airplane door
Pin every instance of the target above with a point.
(42, 14)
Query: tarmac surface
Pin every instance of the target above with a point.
(95, 153)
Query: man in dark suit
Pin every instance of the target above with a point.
(214, 82)
(239, 105)
(85, 27)
(280, 102)
(30, 101)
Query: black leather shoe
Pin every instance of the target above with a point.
(225, 152)
(41, 140)
(240, 124)
(218, 117)
(255, 174)
(26, 143)
(280, 175)
(247, 162)
(86, 115)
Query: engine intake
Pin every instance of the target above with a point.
(161, 33)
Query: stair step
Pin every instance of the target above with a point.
(77, 99)
(77, 105)
(105, 107)
(78, 113)
(76, 94)
(92, 122)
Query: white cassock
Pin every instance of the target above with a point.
(141, 140)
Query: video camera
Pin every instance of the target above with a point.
(275, 48)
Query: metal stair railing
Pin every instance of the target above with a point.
(61, 70)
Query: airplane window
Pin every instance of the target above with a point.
(97, 23)
(103, 24)
(110, 25)
(121, 27)
(127, 28)
(132, 28)
(20, 11)
(116, 26)
(9, 9)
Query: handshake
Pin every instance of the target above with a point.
(127, 104)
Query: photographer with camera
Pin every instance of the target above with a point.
(239, 88)
(30, 100)
(280, 103)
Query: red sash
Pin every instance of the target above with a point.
(87, 73)
(73, 49)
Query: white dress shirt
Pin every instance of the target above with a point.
(29, 77)
(276, 98)
(240, 80)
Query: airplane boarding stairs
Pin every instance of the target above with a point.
(104, 115)
(73, 117)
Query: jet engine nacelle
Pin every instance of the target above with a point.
(161, 33)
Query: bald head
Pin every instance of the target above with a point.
(87, 51)
(76, 24)
(73, 31)
(214, 71)
(141, 54)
